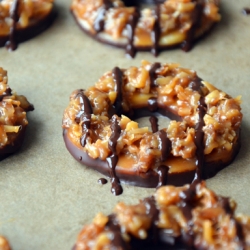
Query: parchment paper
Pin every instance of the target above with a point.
(45, 195)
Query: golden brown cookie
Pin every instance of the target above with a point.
(21, 20)
(202, 138)
(188, 217)
(165, 25)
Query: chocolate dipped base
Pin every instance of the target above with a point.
(14, 146)
(152, 178)
(34, 29)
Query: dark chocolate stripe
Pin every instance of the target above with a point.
(240, 235)
(196, 85)
(165, 145)
(199, 139)
(116, 187)
(156, 32)
(188, 199)
(102, 181)
(152, 210)
(12, 43)
(154, 123)
(131, 25)
(118, 79)
(99, 21)
(152, 73)
(84, 116)
(6, 93)
(225, 204)
(163, 175)
(2, 96)
(246, 11)
(196, 19)
(117, 242)
(152, 104)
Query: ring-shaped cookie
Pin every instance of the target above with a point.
(99, 130)
(165, 25)
(13, 120)
(188, 217)
(21, 20)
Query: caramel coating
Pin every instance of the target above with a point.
(192, 216)
(172, 91)
(29, 12)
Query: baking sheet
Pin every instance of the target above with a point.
(45, 195)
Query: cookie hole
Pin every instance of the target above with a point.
(163, 122)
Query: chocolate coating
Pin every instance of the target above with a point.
(116, 188)
(151, 178)
(15, 146)
(84, 116)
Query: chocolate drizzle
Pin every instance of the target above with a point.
(12, 43)
(152, 210)
(188, 201)
(165, 145)
(156, 32)
(6, 93)
(116, 188)
(225, 204)
(117, 240)
(154, 123)
(99, 21)
(131, 25)
(199, 134)
(84, 116)
(196, 84)
(102, 181)
(118, 79)
(240, 234)
(246, 11)
(196, 19)
(199, 139)
(152, 73)
(163, 175)
(152, 104)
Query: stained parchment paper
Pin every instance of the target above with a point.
(45, 195)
